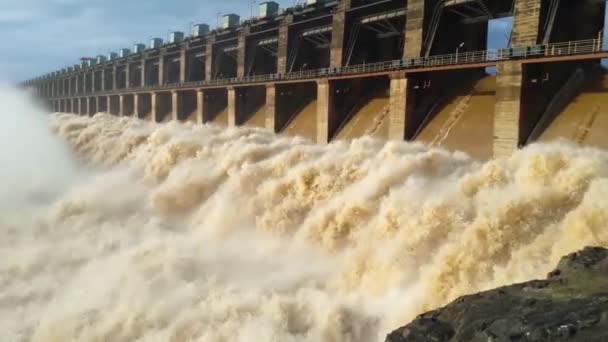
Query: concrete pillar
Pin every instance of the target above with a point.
(114, 77)
(84, 82)
(98, 101)
(283, 48)
(143, 72)
(176, 105)
(526, 23)
(137, 111)
(154, 100)
(397, 107)
(75, 106)
(93, 81)
(413, 29)
(69, 92)
(323, 111)
(241, 58)
(121, 105)
(183, 64)
(337, 34)
(128, 75)
(209, 57)
(271, 107)
(103, 79)
(509, 79)
(109, 105)
(200, 106)
(231, 107)
(89, 106)
(161, 69)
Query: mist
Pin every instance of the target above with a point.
(183, 232)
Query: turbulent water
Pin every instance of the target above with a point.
(134, 231)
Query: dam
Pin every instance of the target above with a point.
(414, 70)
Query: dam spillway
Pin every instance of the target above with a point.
(403, 70)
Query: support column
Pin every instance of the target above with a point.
(337, 34)
(509, 80)
(128, 75)
(526, 23)
(397, 107)
(121, 105)
(231, 107)
(109, 105)
(271, 107)
(283, 48)
(137, 106)
(209, 58)
(161, 69)
(75, 106)
(200, 106)
(176, 105)
(241, 57)
(114, 77)
(413, 29)
(70, 79)
(143, 72)
(98, 103)
(103, 79)
(323, 111)
(93, 81)
(154, 106)
(89, 106)
(183, 65)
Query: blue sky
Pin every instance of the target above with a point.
(44, 35)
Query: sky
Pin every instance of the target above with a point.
(40, 36)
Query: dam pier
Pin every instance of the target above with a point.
(414, 70)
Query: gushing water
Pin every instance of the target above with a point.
(178, 232)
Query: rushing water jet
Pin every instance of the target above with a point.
(183, 232)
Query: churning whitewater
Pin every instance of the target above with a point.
(178, 232)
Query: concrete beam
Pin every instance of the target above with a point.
(397, 107)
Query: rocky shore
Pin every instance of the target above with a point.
(570, 305)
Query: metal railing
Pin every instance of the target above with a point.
(489, 57)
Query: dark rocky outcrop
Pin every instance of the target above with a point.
(570, 305)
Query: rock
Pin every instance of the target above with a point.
(570, 305)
